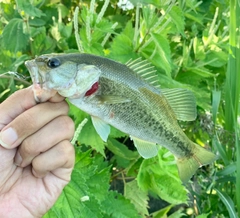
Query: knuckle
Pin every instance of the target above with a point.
(67, 125)
(26, 123)
(37, 165)
(63, 107)
(65, 148)
(66, 151)
(28, 148)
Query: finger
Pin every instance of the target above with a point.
(31, 121)
(58, 160)
(19, 102)
(14, 105)
(56, 98)
(61, 128)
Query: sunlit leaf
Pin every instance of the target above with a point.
(160, 175)
(177, 17)
(162, 55)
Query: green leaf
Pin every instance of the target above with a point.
(216, 97)
(149, 17)
(101, 29)
(138, 197)
(147, 2)
(195, 17)
(28, 8)
(121, 150)
(88, 187)
(201, 71)
(177, 17)
(228, 202)
(116, 206)
(216, 58)
(63, 10)
(221, 150)
(162, 213)
(177, 214)
(19, 61)
(13, 37)
(37, 22)
(228, 170)
(160, 175)
(122, 46)
(89, 136)
(115, 133)
(162, 57)
(204, 215)
(198, 49)
(41, 42)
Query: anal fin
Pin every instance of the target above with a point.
(145, 149)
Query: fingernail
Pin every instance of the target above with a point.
(18, 159)
(8, 137)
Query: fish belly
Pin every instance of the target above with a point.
(141, 123)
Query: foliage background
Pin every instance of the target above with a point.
(193, 45)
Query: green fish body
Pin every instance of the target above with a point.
(126, 97)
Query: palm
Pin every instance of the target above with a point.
(33, 196)
(34, 165)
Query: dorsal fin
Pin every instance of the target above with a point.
(145, 70)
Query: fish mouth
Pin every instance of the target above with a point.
(41, 92)
(34, 73)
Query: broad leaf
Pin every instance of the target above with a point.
(20, 40)
(89, 136)
(177, 17)
(160, 175)
(162, 57)
(116, 206)
(138, 197)
(28, 8)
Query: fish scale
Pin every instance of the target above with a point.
(126, 97)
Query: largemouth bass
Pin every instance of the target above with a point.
(126, 97)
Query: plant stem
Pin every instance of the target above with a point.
(17, 79)
(233, 84)
(233, 71)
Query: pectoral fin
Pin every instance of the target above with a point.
(145, 149)
(183, 103)
(111, 99)
(102, 128)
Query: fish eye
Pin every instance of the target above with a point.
(53, 63)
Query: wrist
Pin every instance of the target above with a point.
(11, 209)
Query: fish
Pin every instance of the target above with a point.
(127, 97)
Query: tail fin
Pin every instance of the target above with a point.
(187, 166)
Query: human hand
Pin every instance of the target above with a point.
(36, 156)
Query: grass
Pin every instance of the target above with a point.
(233, 87)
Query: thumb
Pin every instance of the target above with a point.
(16, 104)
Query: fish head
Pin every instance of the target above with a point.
(62, 73)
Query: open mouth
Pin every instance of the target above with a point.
(35, 75)
(41, 93)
